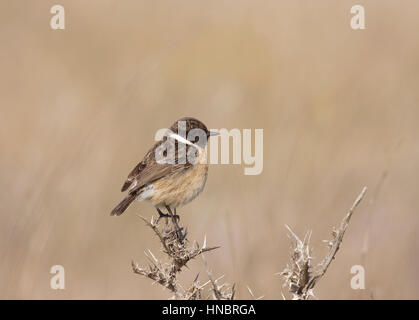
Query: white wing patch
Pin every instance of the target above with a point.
(133, 185)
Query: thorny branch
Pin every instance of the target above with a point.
(179, 254)
(220, 291)
(299, 275)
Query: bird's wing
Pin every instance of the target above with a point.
(136, 172)
(149, 170)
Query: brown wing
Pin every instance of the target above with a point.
(132, 176)
(137, 170)
(149, 170)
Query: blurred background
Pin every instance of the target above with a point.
(80, 107)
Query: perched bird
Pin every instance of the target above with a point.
(173, 172)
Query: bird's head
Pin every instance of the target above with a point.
(193, 130)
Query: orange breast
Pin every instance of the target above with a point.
(180, 188)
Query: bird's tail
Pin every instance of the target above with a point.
(120, 208)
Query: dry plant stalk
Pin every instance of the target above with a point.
(253, 295)
(300, 276)
(219, 291)
(179, 253)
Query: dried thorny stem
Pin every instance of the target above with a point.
(297, 274)
(219, 290)
(300, 276)
(253, 295)
(179, 253)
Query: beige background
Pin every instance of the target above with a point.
(80, 107)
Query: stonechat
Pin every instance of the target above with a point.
(173, 172)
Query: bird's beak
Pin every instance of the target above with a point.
(214, 133)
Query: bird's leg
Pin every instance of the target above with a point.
(162, 215)
(177, 217)
(178, 230)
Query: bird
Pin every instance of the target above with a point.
(173, 172)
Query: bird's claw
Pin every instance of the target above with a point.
(180, 235)
(163, 215)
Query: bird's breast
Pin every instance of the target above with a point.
(181, 187)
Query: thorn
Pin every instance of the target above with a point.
(205, 284)
(293, 234)
(250, 291)
(220, 278)
(153, 256)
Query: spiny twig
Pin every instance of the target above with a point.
(220, 291)
(179, 253)
(252, 294)
(299, 275)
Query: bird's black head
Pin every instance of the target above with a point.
(193, 130)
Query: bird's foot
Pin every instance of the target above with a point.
(163, 215)
(175, 218)
(179, 230)
(181, 236)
